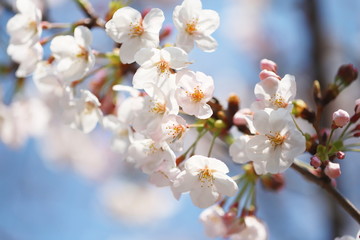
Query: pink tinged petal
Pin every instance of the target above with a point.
(178, 57)
(64, 46)
(204, 197)
(153, 20)
(144, 76)
(83, 36)
(224, 184)
(208, 22)
(261, 122)
(147, 57)
(206, 43)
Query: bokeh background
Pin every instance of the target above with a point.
(67, 185)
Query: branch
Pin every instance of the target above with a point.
(88, 10)
(325, 184)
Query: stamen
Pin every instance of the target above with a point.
(278, 101)
(197, 95)
(276, 139)
(136, 30)
(191, 26)
(163, 66)
(205, 176)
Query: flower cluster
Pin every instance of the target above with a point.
(146, 96)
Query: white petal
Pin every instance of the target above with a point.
(144, 76)
(153, 20)
(178, 57)
(129, 48)
(224, 184)
(147, 57)
(64, 46)
(83, 36)
(185, 41)
(204, 112)
(206, 43)
(209, 21)
(261, 122)
(204, 197)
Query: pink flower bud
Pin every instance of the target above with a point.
(340, 118)
(266, 73)
(340, 155)
(332, 170)
(239, 118)
(266, 64)
(315, 161)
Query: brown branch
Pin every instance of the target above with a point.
(88, 10)
(326, 184)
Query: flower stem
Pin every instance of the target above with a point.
(212, 143)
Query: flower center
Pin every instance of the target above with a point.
(191, 27)
(176, 131)
(278, 101)
(89, 107)
(137, 29)
(205, 176)
(276, 139)
(197, 95)
(163, 66)
(159, 108)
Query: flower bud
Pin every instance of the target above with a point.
(347, 74)
(340, 118)
(332, 170)
(340, 155)
(266, 73)
(315, 161)
(266, 64)
(240, 116)
(274, 182)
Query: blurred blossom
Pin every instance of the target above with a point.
(22, 119)
(81, 152)
(137, 204)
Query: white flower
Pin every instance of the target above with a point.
(133, 32)
(26, 56)
(212, 218)
(121, 140)
(156, 65)
(173, 129)
(252, 229)
(86, 112)
(274, 93)
(277, 143)
(45, 78)
(206, 180)
(195, 25)
(195, 90)
(149, 155)
(24, 27)
(73, 55)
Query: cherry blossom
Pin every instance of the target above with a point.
(26, 56)
(206, 180)
(212, 218)
(46, 80)
(195, 25)
(24, 27)
(156, 65)
(277, 143)
(195, 90)
(252, 229)
(274, 93)
(73, 55)
(84, 112)
(133, 32)
(149, 155)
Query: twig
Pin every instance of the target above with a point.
(325, 184)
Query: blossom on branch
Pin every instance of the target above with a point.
(206, 180)
(134, 32)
